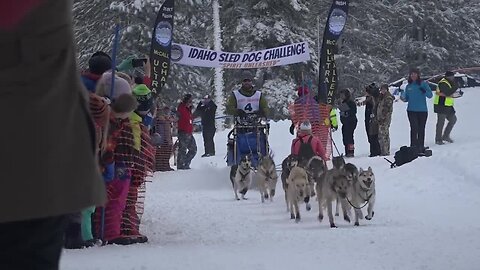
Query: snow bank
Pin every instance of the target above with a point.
(426, 214)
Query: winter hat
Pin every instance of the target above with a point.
(247, 75)
(302, 90)
(99, 63)
(449, 74)
(125, 103)
(144, 97)
(121, 86)
(305, 126)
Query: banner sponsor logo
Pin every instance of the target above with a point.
(337, 21)
(163, 33)
(284, 55)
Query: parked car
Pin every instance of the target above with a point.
(401, 84)
(463, 80)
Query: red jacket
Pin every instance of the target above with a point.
(12, 12)
(185, 118)
(316, 144)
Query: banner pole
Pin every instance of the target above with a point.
(114, 58)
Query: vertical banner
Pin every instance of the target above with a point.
(161, 46)
(337, 18)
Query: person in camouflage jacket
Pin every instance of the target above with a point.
(384, 118)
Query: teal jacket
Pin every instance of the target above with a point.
(416, 95)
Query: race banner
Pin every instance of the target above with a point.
(161, 46)
(280, 56)
(328, 78)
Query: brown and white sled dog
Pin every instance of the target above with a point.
(241, 176)
(287, 164)
(297, 191)
(363, 193)
(266, 177)
(333, 186)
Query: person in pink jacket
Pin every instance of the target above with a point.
(304, 136)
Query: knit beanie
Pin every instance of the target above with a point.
(247, 75)
(121, 86)
(305, 126)
(144, 97)
(99, 63)
(125, 103)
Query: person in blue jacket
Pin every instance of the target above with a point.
(416, 94)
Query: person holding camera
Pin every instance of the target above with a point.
(416, 94)
(371, 120)
(207, 109)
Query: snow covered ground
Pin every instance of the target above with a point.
(426, 217)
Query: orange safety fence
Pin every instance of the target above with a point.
(319, 117)
(123, 211)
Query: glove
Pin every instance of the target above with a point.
(126, 64)
(460, 92)
(423, 90)
(292, 129)
(108, 172)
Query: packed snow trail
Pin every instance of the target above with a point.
(426, 214)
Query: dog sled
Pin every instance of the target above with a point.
(249, 136)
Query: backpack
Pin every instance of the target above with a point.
(404, 155)
(305, 151)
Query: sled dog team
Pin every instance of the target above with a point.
(344, 184)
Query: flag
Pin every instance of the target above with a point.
(161, 46)
(328, 77)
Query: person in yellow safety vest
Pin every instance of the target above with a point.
(443, 107)
(332, 121)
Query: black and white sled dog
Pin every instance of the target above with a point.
(287, 165)
(339, 163)
(241, 176)
(363, 193)
(266, 177)
(352, 174)
(297, 191)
